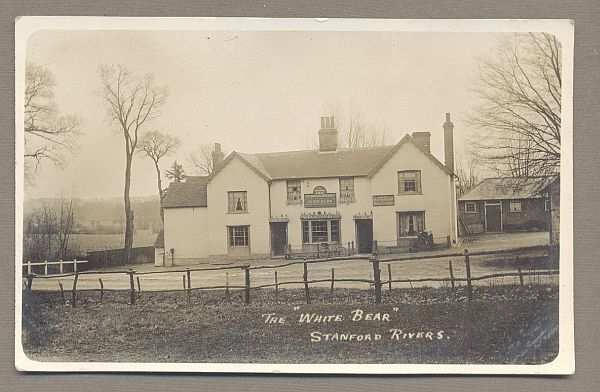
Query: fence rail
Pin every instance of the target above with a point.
(61, 263)
(374, 279)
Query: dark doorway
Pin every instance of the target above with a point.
(278, 238)
(364, 235)
(493, 218)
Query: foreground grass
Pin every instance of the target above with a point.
(505, 324)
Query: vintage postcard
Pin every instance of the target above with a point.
(294, 195)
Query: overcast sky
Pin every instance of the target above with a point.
(253, 92)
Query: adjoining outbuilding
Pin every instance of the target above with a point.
(505, 204)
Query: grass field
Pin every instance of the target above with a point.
(503, 324)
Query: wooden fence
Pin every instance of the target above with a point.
(30, 265)
(374, 281)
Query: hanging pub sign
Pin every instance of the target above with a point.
(383, 200)
(319, 198)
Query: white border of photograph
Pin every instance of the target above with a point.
(564, 363)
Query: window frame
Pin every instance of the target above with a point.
(347, 196)
(472, 203)
(416, 231)
(289, 183)
(333, 231)
(403, 181)
(231, 194)
(515, 202)
(232, 236)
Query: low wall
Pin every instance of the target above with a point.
(116, 257)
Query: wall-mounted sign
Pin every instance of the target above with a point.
(321, 200)
(383, 200)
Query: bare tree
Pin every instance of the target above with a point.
(468, 177)
(47, 133)
(355, 132)
(519, 120)
(48, 230)
(156, 145)
(202, 159)
(131, 103)
(176, 172)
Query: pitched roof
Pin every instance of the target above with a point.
(342, 162)
(503, 188)
(190, 193)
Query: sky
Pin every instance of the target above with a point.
(253, 92)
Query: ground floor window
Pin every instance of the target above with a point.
(515, 206)
(316, 231)
(238, 236)
(470, 207)
(411, 223)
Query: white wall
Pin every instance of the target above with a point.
(187, 231)
(436, 198)
(237, 176)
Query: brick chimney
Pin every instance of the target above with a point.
(217, 155)
(422, 139)
(449, 143)
(328, 134)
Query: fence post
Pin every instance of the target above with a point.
(45, 267)
(451, 273)
(376, 278)
(29, 281)
(389, 267)
(74, 292)
(28, 267)
(74, 264)
(183, 279)
(60, 266)
(305, 278)
(247, 284)
(189, 285)
(101, 289)
(276, 287)
(332, 280)
(374, 250)
(227, 295)
(521, 276)
(131, 288)
(468, 267)
(137, 278)
(62, 292)
(352, 247)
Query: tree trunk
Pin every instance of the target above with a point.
(160, 193)
(128, 212)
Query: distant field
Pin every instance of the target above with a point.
(82, 243)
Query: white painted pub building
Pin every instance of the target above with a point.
(264, 205)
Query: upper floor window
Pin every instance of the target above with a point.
(237, 202)
(409, 181)
(347, 190)
(294, 192)
(515, 206)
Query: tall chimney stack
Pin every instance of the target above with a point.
(328, 134)
(449, 143)
(217, 156)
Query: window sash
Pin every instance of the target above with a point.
(515, 206)
(294, 191)
(472, 205)
(319, 231)
(346, 189)
(411, 223)
(237, 202)
(409, 181)
(238, 236)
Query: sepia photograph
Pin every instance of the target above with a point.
(294, 195)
